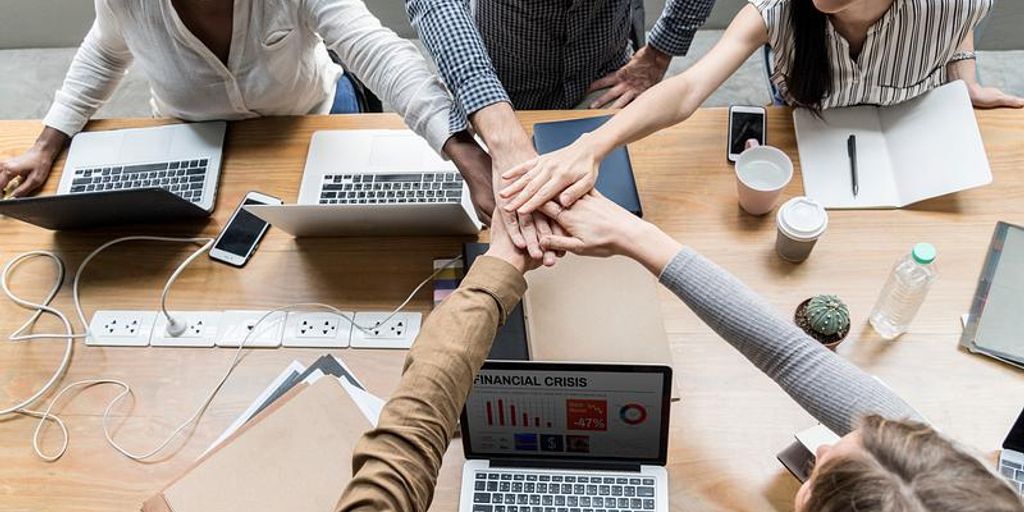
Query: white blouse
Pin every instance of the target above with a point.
(905, 53)
(277, 65)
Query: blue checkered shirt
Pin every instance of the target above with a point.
(539, 54)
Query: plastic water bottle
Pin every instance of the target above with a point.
(904, 292)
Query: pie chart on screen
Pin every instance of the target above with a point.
(633, 414)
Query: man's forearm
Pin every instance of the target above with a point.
(52, 141)
(500, 128)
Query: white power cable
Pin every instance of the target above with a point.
(44, 307)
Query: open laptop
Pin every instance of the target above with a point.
(566, 436)
(1011, 459)
(132, 175)
(375, 183)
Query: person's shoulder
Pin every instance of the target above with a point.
(769, 5)
(118, 8)
(967, 7)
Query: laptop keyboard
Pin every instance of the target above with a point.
(495, 491)
(392, 188)
(1014, 472)
(184, 178)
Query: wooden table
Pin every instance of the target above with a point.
(725, 432)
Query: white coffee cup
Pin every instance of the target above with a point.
(762, 172)
(801, 221)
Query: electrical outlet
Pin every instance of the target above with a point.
(120, 328)
(236, 325)
(398, 332)
(316, 330)
(200, 331)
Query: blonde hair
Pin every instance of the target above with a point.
(908, 467)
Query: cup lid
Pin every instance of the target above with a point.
(802, 218)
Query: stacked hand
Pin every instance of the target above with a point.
(525, 229)
(567, 174)
(596, 226)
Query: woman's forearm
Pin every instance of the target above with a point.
(674, 100)
(830, 388)
(966, 69)
(666, 104)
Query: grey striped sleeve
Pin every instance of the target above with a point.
(831, 389)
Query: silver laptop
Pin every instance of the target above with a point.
(181, 158)
(566, 436)
(375, 182)
(1011, 459)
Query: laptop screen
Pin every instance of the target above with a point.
(530, 410)
(1015, 439)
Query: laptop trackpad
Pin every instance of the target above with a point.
(396, 152)
(145, 146)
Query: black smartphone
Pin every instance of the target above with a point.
(745, 123)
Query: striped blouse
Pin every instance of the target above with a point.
(905, 53)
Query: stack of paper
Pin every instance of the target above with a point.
(290, 450)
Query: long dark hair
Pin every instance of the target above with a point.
(810, 78)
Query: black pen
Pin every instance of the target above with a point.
(851, 150)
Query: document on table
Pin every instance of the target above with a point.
(926, 147)
(369, 404)
(293, 370)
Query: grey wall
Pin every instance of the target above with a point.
(63, 23)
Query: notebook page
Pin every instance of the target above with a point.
(825, 162)
(935, 144)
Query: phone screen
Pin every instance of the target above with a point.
(745, 126)
(243, 232)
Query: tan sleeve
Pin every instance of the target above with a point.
(395, 465)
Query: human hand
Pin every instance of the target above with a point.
(33, 166)
(475, 165)
(502, 248)
(568, 173)
(643, 71)
(524, 229)
(991, 97)
(596, 226)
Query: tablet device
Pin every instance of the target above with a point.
(993, 326)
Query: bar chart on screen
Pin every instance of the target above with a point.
(522, 411)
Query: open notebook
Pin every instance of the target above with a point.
(926, 147)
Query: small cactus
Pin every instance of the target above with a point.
(827, 315)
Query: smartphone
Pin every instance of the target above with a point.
(239, 239)
(745, 123)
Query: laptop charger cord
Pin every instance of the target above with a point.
(174, 328)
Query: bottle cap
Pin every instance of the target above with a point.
(924, 253)
(802, 218)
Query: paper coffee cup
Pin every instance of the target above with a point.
(801, 221)
(762, 172)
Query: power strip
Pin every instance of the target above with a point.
(298, 329)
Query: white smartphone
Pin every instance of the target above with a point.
(745, 123)
(239, 239)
